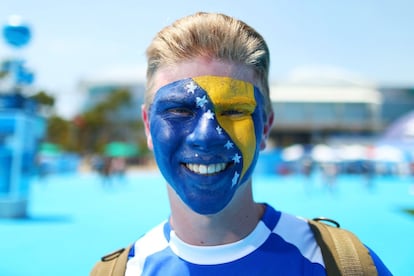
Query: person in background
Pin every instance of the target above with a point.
(207, 116)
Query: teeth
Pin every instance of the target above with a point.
(206, 169)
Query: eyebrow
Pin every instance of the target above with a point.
(175, 99)
(242, 103)
(236, 100)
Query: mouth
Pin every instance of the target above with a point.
(207, 169)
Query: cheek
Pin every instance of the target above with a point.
(161, 131)
(168, 136)
(242, 132)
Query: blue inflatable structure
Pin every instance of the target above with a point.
(21, 128)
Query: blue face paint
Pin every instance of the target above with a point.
(206, 134)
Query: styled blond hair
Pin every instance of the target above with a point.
(210, 35)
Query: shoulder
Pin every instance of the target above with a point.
(146, 246)
(381, 268)
(152, 241)
(295, 231)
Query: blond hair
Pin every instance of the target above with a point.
(212, 35)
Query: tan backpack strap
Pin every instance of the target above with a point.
(342, 252)
(113, 264)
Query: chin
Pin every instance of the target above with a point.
(209, 208)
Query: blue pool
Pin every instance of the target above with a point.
(74, 219)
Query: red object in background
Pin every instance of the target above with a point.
(79, 121)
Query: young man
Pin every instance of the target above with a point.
(207, 116)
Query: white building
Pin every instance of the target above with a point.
(96, 88)
(320, 104)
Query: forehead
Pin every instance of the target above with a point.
(200, 67)
(224, 90)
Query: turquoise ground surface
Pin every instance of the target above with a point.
(73, 219)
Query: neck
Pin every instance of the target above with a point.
(237, 220)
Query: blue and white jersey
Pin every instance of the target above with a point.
(281, 244)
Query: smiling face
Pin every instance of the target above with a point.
(206, 133)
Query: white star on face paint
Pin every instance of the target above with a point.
(191, 87)
(219, 130)
(201, 101)
(235, 178)
(228, 145)
(209, 115)
(236, 158)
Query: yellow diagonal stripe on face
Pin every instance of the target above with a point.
(228, 94)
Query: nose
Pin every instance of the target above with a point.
(207, 134)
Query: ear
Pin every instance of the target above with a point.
(145, 118)
(266, 129)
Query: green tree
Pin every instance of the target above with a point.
(60, 131)
(3, 71)
(104, 122)
(45, 101)
(3, 74)
(43, 98)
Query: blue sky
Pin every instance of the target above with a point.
(75, 40)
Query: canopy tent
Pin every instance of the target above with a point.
(49, 149)
(388, 153)
(353, 152)
(400, 134)
(293, 153)
(401, 130)
(324, 154)
(121, 149)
